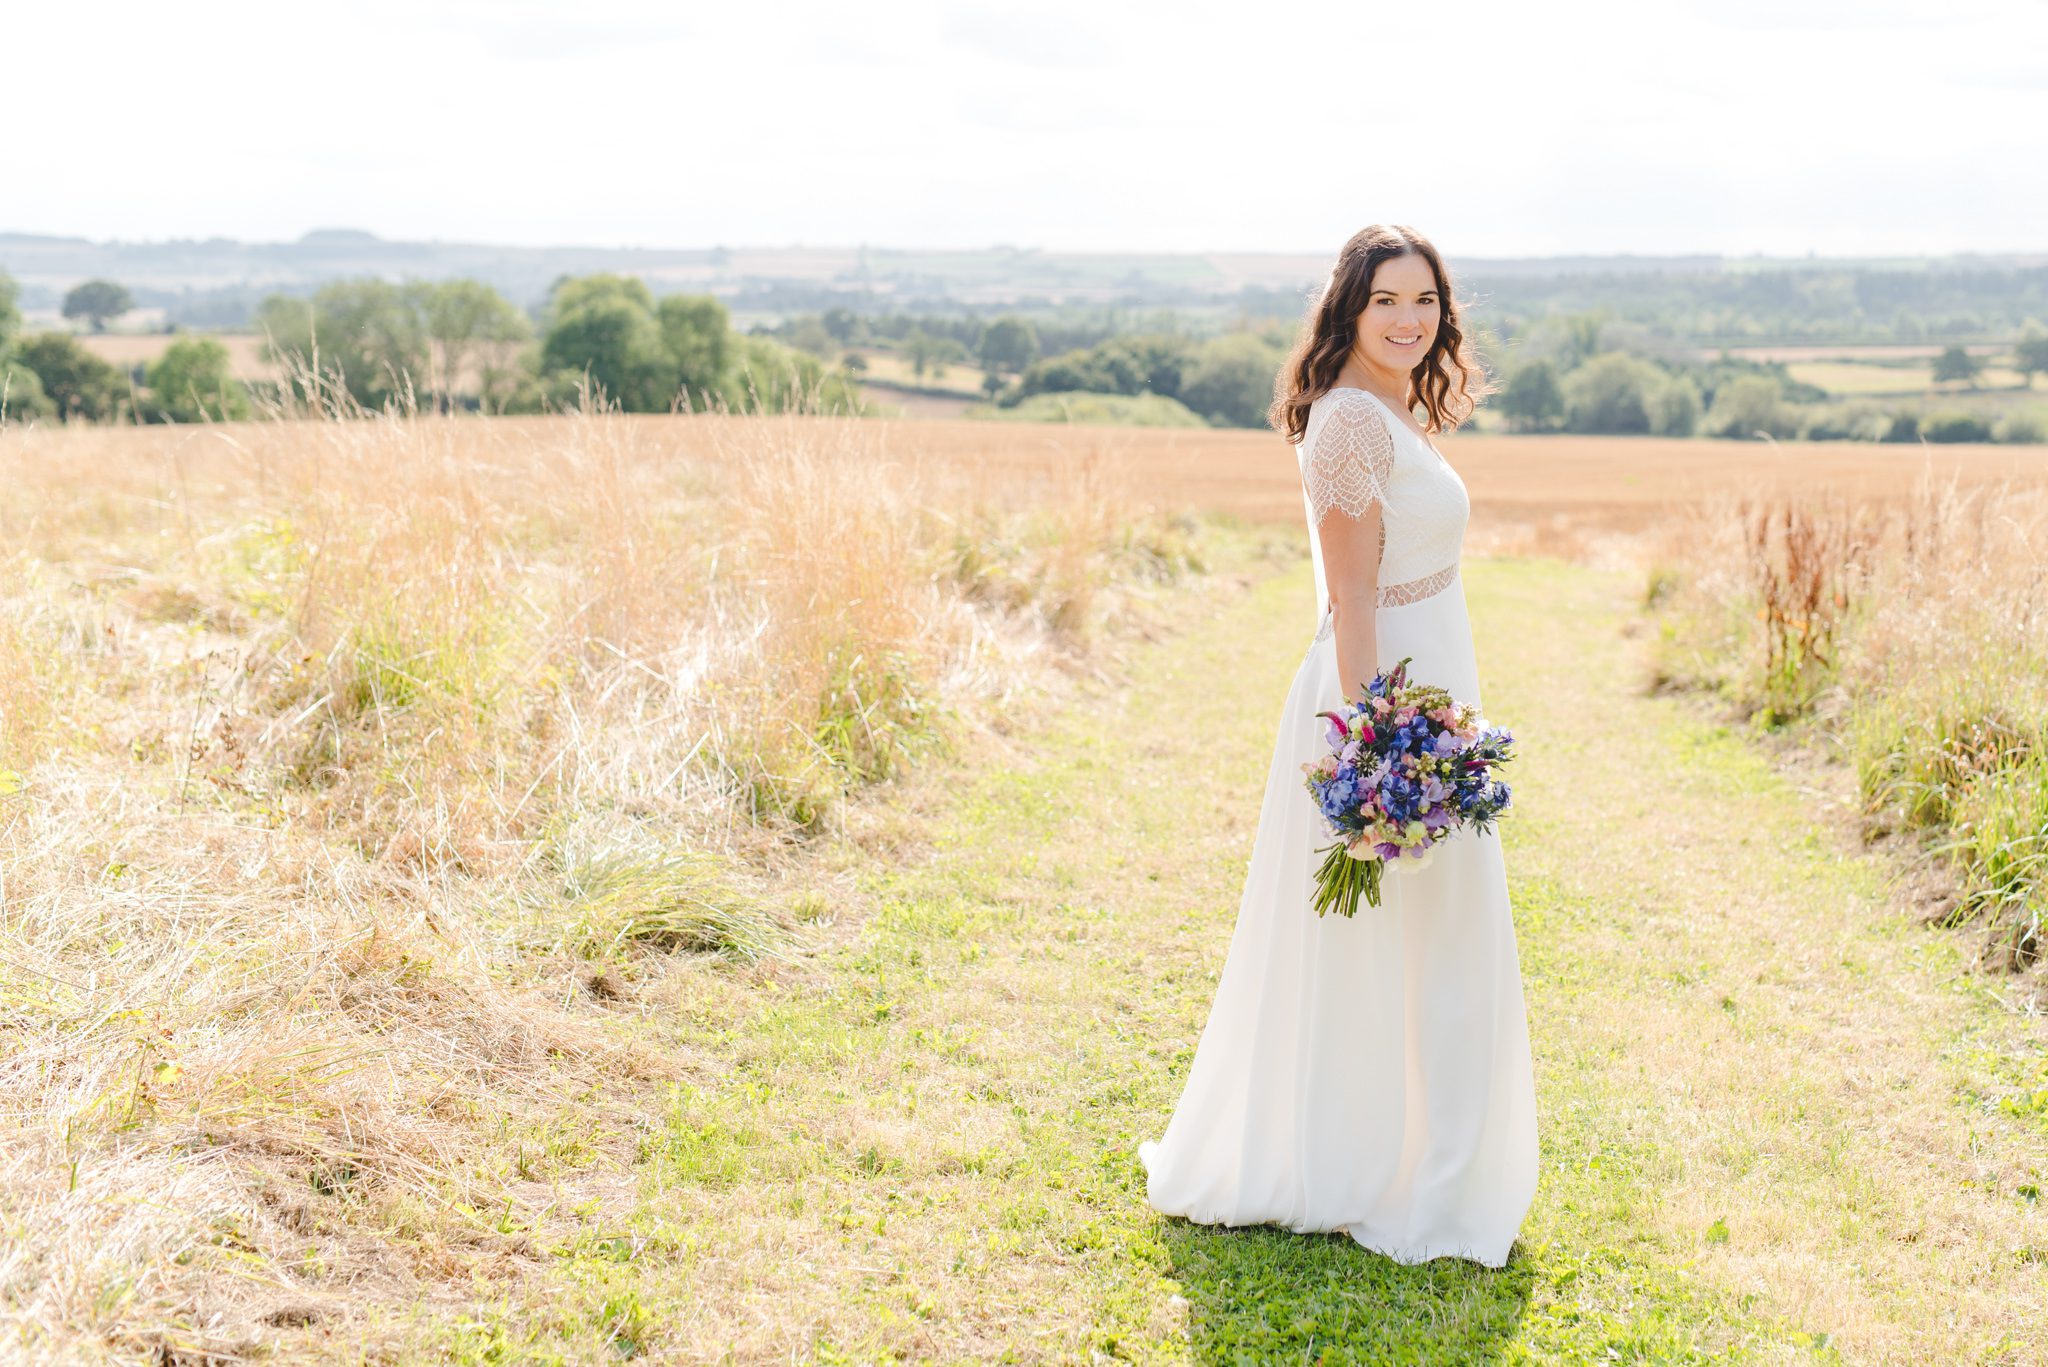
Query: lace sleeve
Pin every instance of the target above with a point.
(1352, 460)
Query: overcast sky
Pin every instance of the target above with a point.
(1838, 126)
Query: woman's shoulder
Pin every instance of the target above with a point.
(1353, 401)
(1350, 418)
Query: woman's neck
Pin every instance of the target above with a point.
(1389, 385)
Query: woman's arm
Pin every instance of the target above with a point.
(1351, 564)
(1347, 474)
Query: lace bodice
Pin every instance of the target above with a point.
(1356, 453)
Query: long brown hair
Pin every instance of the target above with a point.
(1447, 379)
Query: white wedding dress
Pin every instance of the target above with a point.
(1370, 1075)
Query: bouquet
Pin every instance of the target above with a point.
(1408, 766)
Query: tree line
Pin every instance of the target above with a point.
(439, 345)
(1569, 374)
(1224, 380)
(459, 344)
(50, 374)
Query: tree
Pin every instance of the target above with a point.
(1953, 426)
(1610, 393)
(77, 383)
(768, 377)
(97, 301)
(1533, 399)
(1008, 345)
(10, 316)
(2030, 355)
(807, 334)
(1674, 407)
(1752, 406)
(918, 345)
(465, 323)
(572, 292)
(1956, 364)
(365, 336)
(649, 357)
(1231, 380)
(1141, 363)
(190, 383)
(21, 393)
(841, 324)
(1150, 362)
(1582, 338)
(1904, 427)
(696, 331)
(615, 341)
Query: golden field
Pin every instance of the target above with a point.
(1550, 494)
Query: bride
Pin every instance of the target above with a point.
(1368, 1075)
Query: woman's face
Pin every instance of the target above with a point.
(1401, 314)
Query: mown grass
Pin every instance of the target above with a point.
(1770, 1117)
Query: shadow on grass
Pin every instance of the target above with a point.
(1260, 1294)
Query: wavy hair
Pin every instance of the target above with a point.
(1448, 380)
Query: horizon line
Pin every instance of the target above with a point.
(1013, 247)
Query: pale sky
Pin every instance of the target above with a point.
(1844, 127)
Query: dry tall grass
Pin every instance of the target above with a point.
(351, 774)
(1912, 635)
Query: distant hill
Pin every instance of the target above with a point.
(215, 282)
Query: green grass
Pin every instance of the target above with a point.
(1848, 378)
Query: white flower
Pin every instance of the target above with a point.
(1411, 860)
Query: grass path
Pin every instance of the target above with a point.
(1778, 1123)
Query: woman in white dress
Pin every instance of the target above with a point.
(1368, 1075)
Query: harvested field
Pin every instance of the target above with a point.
(1545, 494)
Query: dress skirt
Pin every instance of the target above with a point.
(1369, 1074)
